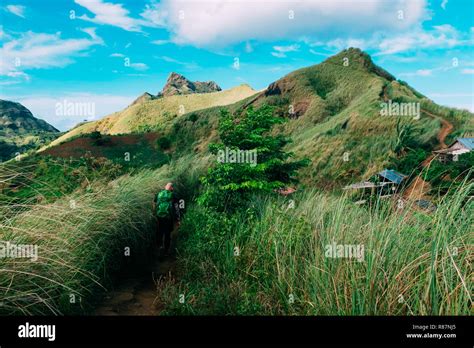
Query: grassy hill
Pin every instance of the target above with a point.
(335, 109)
(157, 114)
(83, 211)
(21, 131)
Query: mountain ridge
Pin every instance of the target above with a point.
(20, 130)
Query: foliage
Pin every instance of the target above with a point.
(445, 176)
(164, 142)
(228, 184)
(410, 162)
(406, 135)
(273, 261)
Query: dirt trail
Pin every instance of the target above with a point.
(136, 294)
(419, 188)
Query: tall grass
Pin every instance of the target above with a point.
(82, 239)
(414, 264)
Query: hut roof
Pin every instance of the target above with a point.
(467, 142)
(392, 176)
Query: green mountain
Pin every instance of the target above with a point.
(87, 197)
(335, 113)
(20, 130)
(153, 113)
(335, 118)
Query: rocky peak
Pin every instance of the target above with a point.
(178, 84)
(143, 98)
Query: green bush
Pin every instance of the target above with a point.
(228, 185)
(164, 142)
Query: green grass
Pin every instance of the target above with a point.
(414, 264)
(157, 114)
(82, 239)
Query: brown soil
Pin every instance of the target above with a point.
(79, 146)
(138, 294)
(419, 188)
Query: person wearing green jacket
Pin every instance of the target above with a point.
(166, 210)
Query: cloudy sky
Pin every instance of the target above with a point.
(108, 52)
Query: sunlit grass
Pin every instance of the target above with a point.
(414, 263)
(82, 240)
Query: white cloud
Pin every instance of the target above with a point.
(316, 53)
(467, 71)
(186, 65)
(41, 51)
(420, 72)
(450, 95)
(160, 42)
(280, 51)
(340, 44)
(119, 55)
(220, 23)
(443, 4)
(424, 72)
(442, 36)
(248, 47)
(116, 15)
(139, 66)
(17, 10)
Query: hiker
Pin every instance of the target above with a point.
(166, 209)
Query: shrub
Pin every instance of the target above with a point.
(164, 142)
(228, 185)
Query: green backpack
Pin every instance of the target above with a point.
(164, 204)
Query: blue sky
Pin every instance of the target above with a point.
(108, 52)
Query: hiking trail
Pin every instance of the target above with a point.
(419, 188)
(136, 293)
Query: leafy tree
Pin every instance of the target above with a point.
(228, 185)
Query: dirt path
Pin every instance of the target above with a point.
(136, 294)
(419, 188)
(446, 128)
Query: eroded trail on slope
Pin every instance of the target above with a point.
(419, 188)
(136, 294)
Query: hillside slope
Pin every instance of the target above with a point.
(157, 113)
(334, 118)
(20, 130)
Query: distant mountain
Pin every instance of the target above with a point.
(143, 98)
(178, 84)
(15, 119)
(20, 130)
(152, 113)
